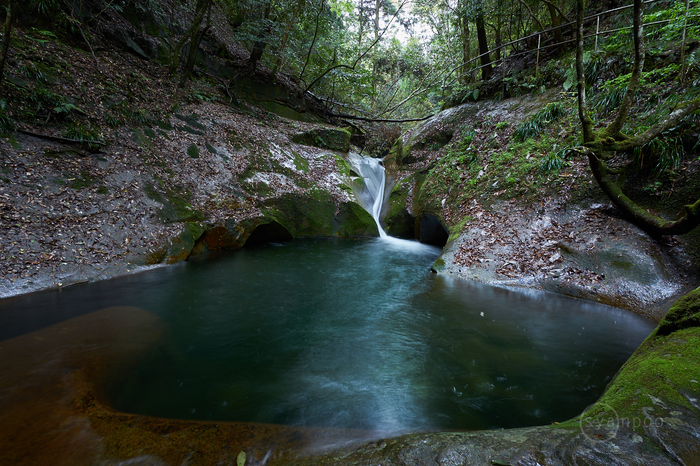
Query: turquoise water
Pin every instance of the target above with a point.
(357, 334)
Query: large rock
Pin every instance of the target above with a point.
(316, 214)
(326, 138)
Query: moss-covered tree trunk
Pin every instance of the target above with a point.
(7, 34)
(205, 6)
(598, 145)
(260, 42)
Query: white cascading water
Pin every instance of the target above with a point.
(370, 194)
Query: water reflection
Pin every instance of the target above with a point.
(355, 334)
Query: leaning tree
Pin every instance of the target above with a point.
(600, 146)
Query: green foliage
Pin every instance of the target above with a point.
(42, 36)
(193, 151)
(44, 6)
(610, 99)
(675, 15)
(38, 72)
(113, 120)
(554, 160)
(462, 153)
(6, 123)
(667, 150)
(197, 95)
(538, 122)
(66, 108)
(81, 132)
(45, 97)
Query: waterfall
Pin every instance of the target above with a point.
(369, 192)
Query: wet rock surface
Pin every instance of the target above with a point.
(70, 216)
(585, 252)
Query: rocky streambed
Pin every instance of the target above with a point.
(211, 178)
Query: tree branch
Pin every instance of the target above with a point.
(362, 55)
(653, 224)
(626, 144)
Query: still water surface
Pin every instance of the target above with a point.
(352, 334)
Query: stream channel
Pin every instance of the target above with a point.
(348, 333)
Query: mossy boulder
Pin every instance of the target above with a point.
(316, 214)
(176, 205)
(337, 139)
(234, 235)
(398, 221)
(268, 94)
(181, 246)
(685, 313)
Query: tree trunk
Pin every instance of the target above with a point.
(615, 127)
(584, 116)
(260, 43)
(486, 68)
(189, 35)
(194, 43)
(7, 34)
(556, 22)
(466, 50)
(285, 37)
(611, 140)
(652, 224)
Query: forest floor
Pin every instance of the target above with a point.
(74, 211)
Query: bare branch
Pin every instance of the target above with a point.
(361, 56)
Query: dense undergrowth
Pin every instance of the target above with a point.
(497, 158)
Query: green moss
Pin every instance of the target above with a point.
(82, 181)
(258, 188)
(193, 151)
(300, 162)
(317, 214)
(176, 206)
(456, 229)
(398, 222)
(191, 120)
(140, 138)
(211, 149)
(164, 125)
(662, 369)
(156, 256)
(657, 378)
(344, 167)
(439, 265)
(326, 138)
(685, 313)
(181, 246)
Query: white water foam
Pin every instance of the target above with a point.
(370, 194)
